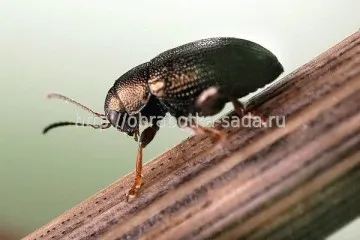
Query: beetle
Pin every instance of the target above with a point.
(199, 77)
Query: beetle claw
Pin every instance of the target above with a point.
(134, 191)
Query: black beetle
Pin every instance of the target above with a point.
(195, 78)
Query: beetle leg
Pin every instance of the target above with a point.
(210, 102)
(218, 136)
(241, 111)
(145, 138)
(138, 176)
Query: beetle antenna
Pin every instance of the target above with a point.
(62, 97)
(62, 124)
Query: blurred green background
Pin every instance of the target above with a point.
(79, 48)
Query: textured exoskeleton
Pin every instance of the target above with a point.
(197, 78)
(174, 80)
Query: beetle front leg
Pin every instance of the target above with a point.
(145, 138)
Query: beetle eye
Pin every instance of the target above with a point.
(114, 117)
(123, 121)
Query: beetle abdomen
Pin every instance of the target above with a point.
(236, 67)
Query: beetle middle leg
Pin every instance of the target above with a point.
(210, 102)
(217, 135)
(241, 110)
(145, 138)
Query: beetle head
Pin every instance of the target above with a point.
(117, 115)
(123, 103)
(127, 98)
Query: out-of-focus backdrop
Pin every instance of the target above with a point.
(79, 48)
